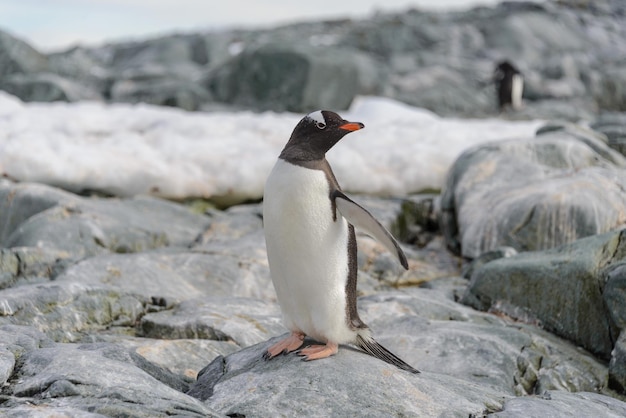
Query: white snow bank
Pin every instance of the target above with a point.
(141, 149)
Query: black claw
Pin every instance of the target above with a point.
(267, 356)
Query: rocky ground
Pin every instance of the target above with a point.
(144, 307)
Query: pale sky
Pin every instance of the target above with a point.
(50, 25)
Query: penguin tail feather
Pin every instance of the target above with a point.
(373, 348)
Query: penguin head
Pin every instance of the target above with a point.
(505, 69)
(315, 134)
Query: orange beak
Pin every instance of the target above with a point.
(352, 126)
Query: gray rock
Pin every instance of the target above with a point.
(21, 201)
(615, 284)
(177, 275)
(7, 363)
(485, 258)
(172, 51)
(75, 376)
(613, 125)
(89, 66)
(528, 32)
(17, 57)
(615, 299)
(15, 341)
(250, 386)
(417, 223)
(573, 110)
(533, 194)
(564, 288)
(20, 339)
(29, 265)
(50, 410)
(164, 91)
(47, 87)
(37, 216)
(242, 321)
(421, 326)
(442, 90)
(491, 360)
(183, 357)
(563, 404)
(295, 78)
(611, 92)
(67, 311)
(123, 328)
(617, 365)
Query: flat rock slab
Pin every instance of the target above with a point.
(175, 275)
(76, 375)
(45, 217)
(65, 312)
(243, 321)
(492, 359)
(348, 384)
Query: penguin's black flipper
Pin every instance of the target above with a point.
(363, 220)
(373, 348)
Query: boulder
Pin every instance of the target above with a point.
(528, 32)
(36, 216)
(47, 87)
(174, 50)
(613, 125)
(615, 299)
(243, 321)
(17, 57)
(175, 275)
(574, 290)
(294, 78)
(71, 378)
(490, 363)
(533, 194)
(611, 91)
(443, 90)
(159, 90)
(246, 385)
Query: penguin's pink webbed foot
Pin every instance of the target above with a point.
(315, 352)
(289, 344)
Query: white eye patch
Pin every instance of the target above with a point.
(318, 118)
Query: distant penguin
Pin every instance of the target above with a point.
(509, 85)
(311, 245)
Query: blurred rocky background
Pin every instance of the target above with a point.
(571, 53)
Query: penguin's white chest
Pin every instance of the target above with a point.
(307, 252)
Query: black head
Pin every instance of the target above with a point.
(505, 69)
(315, 134)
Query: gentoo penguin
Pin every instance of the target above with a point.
(509, 85)
(311, 245)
